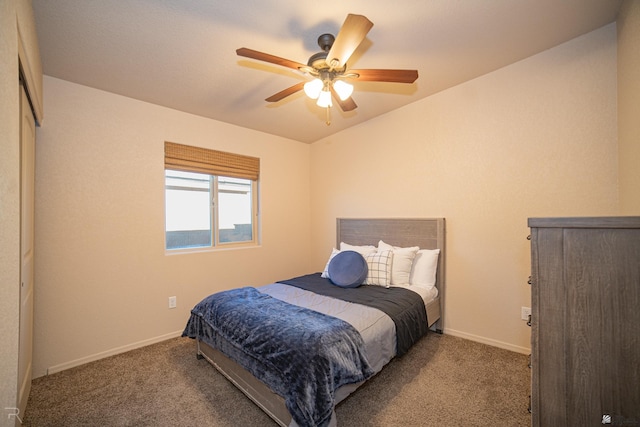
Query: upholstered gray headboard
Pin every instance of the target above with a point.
(427, 233)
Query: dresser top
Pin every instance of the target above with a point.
(586, 222)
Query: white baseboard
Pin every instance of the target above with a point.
(112, 352)
(144, 343)
(488, 341)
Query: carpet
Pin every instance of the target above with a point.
(442, 381)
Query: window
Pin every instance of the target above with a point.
(210, 198)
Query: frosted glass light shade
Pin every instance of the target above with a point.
(313, 88)
(343, 89)
(324, 99)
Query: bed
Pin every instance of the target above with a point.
(379, 335)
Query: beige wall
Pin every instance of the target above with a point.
(102, 276)
(629, 106)
(17, 28)
(537, 138)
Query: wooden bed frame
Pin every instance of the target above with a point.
(427, 233)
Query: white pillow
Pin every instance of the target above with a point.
(425, 266)
(379, 264)
(325, 272)
(363, 250)
(402, 262)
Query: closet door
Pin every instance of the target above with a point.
(27, 172)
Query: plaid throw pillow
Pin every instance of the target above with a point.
(379, 264)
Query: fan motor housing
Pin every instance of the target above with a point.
(319, 60)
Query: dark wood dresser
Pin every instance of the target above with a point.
(585, 319)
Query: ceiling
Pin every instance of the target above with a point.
(181, 54)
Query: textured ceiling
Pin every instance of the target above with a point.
(181, 54)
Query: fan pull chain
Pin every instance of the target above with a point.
(328, 121)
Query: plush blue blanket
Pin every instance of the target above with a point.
(301, 354)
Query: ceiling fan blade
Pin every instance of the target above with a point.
(353, 31)
(284, 93)
(392, 76)
(261, 56)
(347, 105)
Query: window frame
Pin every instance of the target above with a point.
(215, 231)
(227, 165)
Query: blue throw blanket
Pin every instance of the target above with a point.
(302, 355)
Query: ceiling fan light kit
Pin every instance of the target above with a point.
(343, 89)
(313, 88)
(329, 67)
(324, 99)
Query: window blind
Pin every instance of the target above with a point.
(187, 158)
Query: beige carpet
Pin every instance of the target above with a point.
(442, 381)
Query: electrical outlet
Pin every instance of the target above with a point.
(525, 313)
(172, 302)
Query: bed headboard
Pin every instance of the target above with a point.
(427, 233)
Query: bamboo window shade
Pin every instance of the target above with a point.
(187, 158)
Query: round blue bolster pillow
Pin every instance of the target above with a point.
(348, 269)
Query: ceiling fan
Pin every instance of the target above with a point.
(329, 67)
